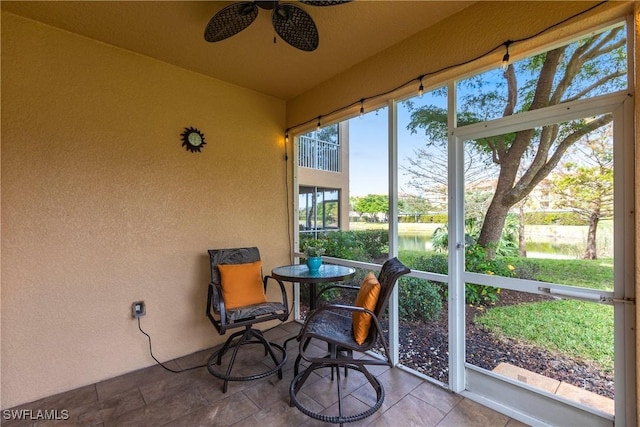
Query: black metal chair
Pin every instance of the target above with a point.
(332, 324)
(246, 316)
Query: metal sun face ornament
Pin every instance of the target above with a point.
(192, 139)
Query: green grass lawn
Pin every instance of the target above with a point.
(586, 273)
(579, 329)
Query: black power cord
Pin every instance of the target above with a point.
(160, 363)
(193, 367)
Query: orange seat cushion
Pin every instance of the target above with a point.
(242, 284)
(367, 298)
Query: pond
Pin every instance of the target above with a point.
(541, 241)
(414, 241)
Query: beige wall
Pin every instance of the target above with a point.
(101, 206)
(466, 35)
(336, 180)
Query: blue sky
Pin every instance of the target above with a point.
(368, 136)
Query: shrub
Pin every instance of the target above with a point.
(375, 243)
(477, 261)
(437, 263)
(553, 218)
(364, 245)
(418, 299)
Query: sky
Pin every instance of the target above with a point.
(368, 146)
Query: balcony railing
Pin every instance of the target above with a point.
(316, 154)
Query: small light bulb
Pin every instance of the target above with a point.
(318, 126)
(505, 58)
(361, 108)
(421, 88)
(286, 137)
(505, 61)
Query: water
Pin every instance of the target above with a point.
(414, 241)
(421, 241)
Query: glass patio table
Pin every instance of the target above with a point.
(300, 273)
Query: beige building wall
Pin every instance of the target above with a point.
(466, 35)
(102, 206)
(337, 180)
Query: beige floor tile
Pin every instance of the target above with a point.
(325, 390)
(68, 400)
(222, 413)
(97, 412)
(396, 383)
(198, 358)
(437, 396)
(410, 411)
(269, 391)
(133, 380)
(471, 414)
(350, 407)
(279, 414)
(162, 411)
(154, 397)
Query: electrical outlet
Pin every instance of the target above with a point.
(138, 309)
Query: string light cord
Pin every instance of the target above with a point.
(506, 45)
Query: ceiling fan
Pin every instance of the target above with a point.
(290, 21)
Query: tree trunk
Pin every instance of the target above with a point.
(591, 252)
(522, 244)
(493, 225)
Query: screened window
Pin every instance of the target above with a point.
(319, 209)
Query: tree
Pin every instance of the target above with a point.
(427, 171)
(414, 206)
(372, 204)
(586, 187)
(592, 66)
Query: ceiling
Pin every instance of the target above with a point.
(173, 32)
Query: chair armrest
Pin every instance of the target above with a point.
(368, 344)
(282, 290)
(337, 307)
(346, 287)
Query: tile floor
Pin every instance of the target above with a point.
(156, 397)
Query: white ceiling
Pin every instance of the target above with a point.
(172, 31)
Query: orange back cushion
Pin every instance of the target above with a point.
(242, 284)
(367, 298)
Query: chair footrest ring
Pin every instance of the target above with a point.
(223, 376)
(294, 388)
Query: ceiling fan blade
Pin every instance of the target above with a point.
(295, 26)
(324, 2)
(230, 21)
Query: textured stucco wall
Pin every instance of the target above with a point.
(101, 206)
